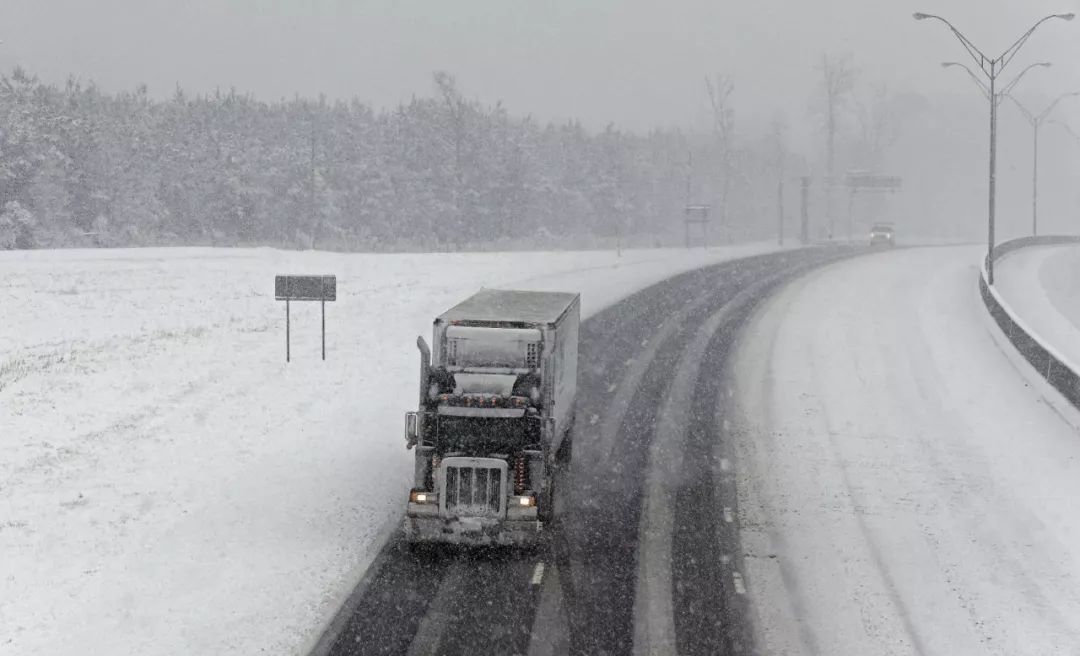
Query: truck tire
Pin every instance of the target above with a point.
(566, 449)
(422, 550)
(546, 510)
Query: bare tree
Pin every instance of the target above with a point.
(837, 82)
(779, 138)
(719, 92)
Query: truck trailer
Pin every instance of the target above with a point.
(494, 418)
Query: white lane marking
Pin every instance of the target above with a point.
(740, 587)
(611, 388)
(538, 574)
(725, 464)
(645, 342)
(593, 419)
(551, 627)
(725, 559)
(728, 516)
(727, 425)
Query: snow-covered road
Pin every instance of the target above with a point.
(1041, 285)
(168, 485)
(905, 487)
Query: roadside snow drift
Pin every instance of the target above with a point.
(168, 485)
(905, 488)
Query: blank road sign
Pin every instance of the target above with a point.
(305, 288)
(869, 181)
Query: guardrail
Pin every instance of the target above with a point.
(1062, 374)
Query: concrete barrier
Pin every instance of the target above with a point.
(1062, 374)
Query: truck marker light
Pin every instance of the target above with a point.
(519, 474)
(525, 502)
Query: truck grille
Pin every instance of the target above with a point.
(474, 488)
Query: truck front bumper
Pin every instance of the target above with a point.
(473, 531)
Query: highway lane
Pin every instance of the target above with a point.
(644, 555)
(908, 484)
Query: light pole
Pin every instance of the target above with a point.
(992, 67)
(1068, 128)
(1036, 121)
(1008, 87)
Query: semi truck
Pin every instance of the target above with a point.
(494, 419)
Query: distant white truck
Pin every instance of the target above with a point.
(496, 408)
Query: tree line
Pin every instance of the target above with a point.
(82, 167)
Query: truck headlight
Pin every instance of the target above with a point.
(421, 496)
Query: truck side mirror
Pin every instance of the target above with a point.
(412, 429)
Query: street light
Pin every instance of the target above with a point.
(974, 78)
(1036, 121)
(1012, 85)
(1068, 129)
(992, 67)
(985, 89)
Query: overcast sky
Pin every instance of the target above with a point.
(636, 63)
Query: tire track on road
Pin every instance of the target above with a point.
(629, 353)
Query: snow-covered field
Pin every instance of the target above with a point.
(168, 485)
(1041, 284)
(905, 487)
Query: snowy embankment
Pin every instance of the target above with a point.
(904, 485)
(169, 485)
(1041, 285)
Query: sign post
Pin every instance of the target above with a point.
(697, 215)
(804, 216)
(305, 288)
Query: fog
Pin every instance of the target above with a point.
(634, 64)
(704, 402)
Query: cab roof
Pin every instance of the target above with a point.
(512, 306)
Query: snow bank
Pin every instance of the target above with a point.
(169, 485)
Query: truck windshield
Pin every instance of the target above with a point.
(492, 348)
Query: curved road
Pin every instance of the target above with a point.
(647, 500)
(908, 485)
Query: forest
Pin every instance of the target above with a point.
(82, 167)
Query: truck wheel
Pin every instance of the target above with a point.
(546, 512)
(422, 550)
(566, 449)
